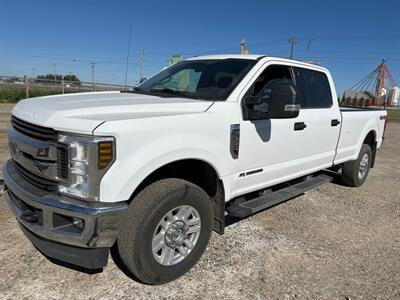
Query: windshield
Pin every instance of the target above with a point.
(198, 79)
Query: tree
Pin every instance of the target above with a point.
(72, 78)
(49, 78)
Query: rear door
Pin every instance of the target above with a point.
(321, 115)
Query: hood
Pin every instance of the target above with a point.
(83, 112)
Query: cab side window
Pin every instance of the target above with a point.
(315, 88)
(271, 75)
(258, 96)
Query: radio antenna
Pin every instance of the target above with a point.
(127, 56)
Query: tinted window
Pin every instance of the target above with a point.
(261, 89)
(314, 87)
(270, 76)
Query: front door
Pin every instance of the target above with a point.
(271, 150)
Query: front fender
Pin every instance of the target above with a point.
(129, 182)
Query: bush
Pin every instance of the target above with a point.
(14, 94)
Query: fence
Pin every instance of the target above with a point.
(13, 89)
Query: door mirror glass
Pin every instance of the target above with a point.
(283, 102)
(279, 101)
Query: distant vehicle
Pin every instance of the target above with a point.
(19, 82)
(154, 170)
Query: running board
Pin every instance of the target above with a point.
(255, 205)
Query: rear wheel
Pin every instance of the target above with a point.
(354, 173)
(166, 230)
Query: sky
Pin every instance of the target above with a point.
(348, 37)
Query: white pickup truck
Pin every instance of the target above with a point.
(152, 171)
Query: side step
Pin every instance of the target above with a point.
(255, 205)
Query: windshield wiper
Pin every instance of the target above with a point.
(136, 90)
(174, 93)
(168, 91)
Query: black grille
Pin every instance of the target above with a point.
(34, 131)
(37, 181)
(62, 161)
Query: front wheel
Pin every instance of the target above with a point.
(354, 173)
(166, 230)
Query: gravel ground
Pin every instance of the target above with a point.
(334, 242)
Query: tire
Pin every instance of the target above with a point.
(354, 173)
(143, 227)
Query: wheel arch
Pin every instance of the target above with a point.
(370, 139)
(197, 171)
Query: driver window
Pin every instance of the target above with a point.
(270, 76)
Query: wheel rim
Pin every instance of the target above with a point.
(176, 235)
(362, 170)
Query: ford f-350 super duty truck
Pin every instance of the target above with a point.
(152, 171)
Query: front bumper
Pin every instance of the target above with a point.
(63, 228)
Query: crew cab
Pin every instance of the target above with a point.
(151, 172)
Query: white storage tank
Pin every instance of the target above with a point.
(393, 97)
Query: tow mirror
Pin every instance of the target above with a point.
(280, 102)
(283, 102)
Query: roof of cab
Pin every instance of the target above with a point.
(227, 56)
(256, 57)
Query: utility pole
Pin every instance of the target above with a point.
(33, 74)
(93, 64)
(54, 72)
(292, 41)
(141, 65)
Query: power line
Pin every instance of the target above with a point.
(119, 62)
(366, 37)
(350, 52)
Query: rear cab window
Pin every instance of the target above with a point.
(314, 88)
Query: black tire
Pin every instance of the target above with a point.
(350, 169)
(145, 212)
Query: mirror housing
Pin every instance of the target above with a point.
(281, 103)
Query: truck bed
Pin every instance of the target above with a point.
(357, 122)
(360, 108)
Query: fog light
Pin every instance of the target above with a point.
(78, 223)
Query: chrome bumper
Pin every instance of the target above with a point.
(56, 218)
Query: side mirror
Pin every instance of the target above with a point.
(283, 102)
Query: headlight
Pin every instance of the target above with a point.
(89, 159)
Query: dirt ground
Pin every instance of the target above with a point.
(335, 242)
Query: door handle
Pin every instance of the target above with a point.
(299, 126)
(335, 122)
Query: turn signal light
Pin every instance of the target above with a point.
(105, 154)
